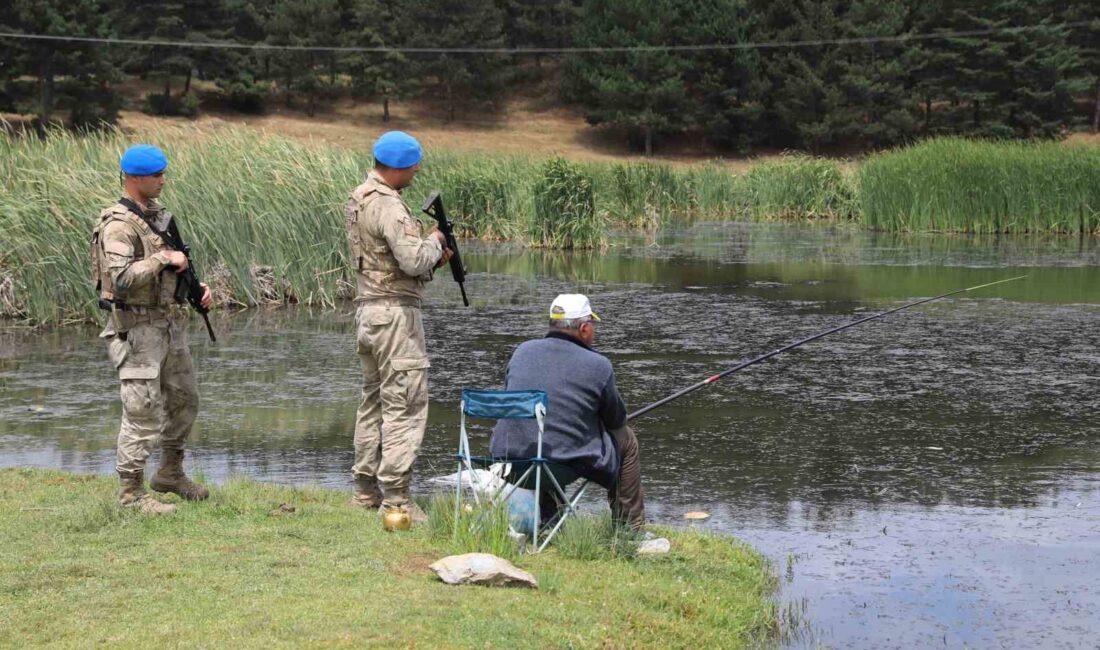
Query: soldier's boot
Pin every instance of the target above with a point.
(131, 494)
(170, 478)
(367, 494)
(404, 502)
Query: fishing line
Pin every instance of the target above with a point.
(790, 346)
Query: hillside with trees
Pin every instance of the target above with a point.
(861, 74)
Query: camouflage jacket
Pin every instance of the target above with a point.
(390, 259)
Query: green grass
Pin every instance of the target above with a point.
(249, 200)
(596, 538)
(482, 528)
(798, 187)
(78, 571)
(957, 185)
(565, 208)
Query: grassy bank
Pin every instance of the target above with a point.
(78, 571)
(264, 213)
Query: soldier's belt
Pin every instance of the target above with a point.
(402, 301)
(139, 314)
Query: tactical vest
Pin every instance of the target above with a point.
(159, 292)
(376, 268)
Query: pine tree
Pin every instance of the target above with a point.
(84, 70)
(9, 50)
(877, 88)
(454, 81)
(382, 75)
(155, 20)
(1086, 39)
(726, 85)
(804, 103)
(1013, 82)
(643, 91)
(1040, 89)
(243, 75)
(303, 24)
(208, 21)
(540, 23)
(933, 67)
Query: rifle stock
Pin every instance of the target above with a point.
(433, 207)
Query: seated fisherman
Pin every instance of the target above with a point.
(586, 429)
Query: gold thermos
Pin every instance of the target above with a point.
(396, 519)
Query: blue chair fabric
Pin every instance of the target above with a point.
(503, 404)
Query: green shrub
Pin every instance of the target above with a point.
(244, 95)
(184, 105)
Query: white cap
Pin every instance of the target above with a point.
(568, 306)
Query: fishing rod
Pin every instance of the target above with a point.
(790, 346)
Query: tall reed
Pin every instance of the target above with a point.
(565, 208)
(958, 185)
(248, 200)
(797, 187)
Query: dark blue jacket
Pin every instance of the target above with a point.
(584, 406)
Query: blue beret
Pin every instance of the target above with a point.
(143, 160)
(397, 149)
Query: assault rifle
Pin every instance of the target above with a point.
(187, 283)
(433, 207)
(188, 288)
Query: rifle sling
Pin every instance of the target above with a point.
(165, 235)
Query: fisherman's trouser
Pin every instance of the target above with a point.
(626, 499)
(160, 397)
(393, 413)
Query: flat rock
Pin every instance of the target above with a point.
(655, 546)
(482, 569)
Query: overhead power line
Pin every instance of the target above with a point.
(762, 45)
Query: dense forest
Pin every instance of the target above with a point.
(1002, 69)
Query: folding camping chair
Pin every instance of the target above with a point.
(513, 404)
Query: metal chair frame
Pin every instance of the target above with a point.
(537, 465)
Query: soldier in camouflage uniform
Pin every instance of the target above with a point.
(135, 274)
(391, 262)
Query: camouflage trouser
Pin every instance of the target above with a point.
(160, 397)
(389, 425)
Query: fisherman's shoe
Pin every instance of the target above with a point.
(170, 478)
(131, 494)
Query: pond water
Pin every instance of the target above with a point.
(930, 479)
